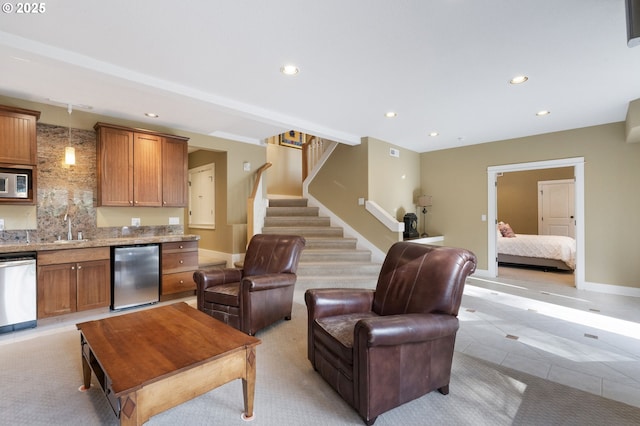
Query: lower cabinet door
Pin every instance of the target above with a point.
(56, 289)
(94, 283)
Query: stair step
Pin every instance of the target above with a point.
(329, 269)
(305, 231)
(333, 255)
(330, 243)
(292, 211)
(287, 202)
(303, 283)
(297, 221)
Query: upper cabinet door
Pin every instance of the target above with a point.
(138, 168)
(18, 136)
(147, 166)
(174, 173)
(115, 167)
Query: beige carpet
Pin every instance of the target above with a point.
(39, 380)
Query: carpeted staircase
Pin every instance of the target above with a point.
(329, 259)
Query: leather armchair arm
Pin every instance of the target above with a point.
(326, 302)
(212, 277)
(400, 329)
(267, 282)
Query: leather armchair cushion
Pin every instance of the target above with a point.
(223, 294)
(336, 333)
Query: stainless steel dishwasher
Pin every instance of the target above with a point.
(18, 296)
(135, 275)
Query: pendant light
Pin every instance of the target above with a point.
(69, 151)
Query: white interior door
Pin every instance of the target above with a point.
(202, 197)
(556, 208)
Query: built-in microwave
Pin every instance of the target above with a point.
(14, 185)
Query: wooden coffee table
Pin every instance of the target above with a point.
(149, 361)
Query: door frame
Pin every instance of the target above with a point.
(492, 202)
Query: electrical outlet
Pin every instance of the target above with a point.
(1, 224)
(174, 221)
(135, 221)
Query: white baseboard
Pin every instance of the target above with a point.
(618, 290)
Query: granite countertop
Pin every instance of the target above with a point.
(105, 242)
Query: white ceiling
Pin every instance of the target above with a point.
(213, 66)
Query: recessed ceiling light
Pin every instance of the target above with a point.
(390, 114)
(543, 113)
(519, 79)
(433, 134)
(151, 115)
(289, 70)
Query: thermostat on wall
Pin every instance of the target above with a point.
(394, 152)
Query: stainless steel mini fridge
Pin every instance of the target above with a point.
(136, 276)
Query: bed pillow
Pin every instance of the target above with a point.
(506, 231)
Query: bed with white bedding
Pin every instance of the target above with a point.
(553, 251)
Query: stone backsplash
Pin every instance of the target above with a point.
(72, 191)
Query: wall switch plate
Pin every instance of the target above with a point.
(246, 166)
(174, 221)
(483, 218)
(135, 221)
(361, 201)
(1, 224)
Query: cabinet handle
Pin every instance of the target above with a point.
(73, 268)
(79, 267)
(181, 262)
(181, 246)
(164, 202)
(181, 281)
(130, 201)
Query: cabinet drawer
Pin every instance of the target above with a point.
(179, 246)
(176, 283)
(179, 262)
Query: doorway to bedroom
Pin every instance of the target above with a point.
(514, 199)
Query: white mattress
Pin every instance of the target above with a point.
(542, 246)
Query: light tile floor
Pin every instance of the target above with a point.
(538, 323)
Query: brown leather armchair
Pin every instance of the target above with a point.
(381, 348)
(258, 294)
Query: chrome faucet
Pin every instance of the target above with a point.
(67, 219)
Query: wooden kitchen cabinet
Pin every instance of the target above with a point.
(137, 168)
(18, 136)
(73, 280)
(175, 170)
(179, 262)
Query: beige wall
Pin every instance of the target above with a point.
(394, 182)
(457, 179)
(285, 176)
(367, 171)
(518, 196)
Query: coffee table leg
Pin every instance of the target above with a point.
(86, 374)
(249, 384)
(86, 368)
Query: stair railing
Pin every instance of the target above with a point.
(256, 211)
(312, 151)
